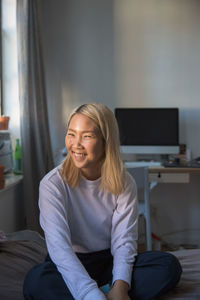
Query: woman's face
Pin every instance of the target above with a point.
(84, 143)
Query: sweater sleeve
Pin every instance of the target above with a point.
(124, 232)
(53, 220)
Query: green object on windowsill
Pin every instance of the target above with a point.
(17, 158)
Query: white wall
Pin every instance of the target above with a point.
(78, 51)
(157, 60)
(129, 53)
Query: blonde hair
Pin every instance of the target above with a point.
(112, 171)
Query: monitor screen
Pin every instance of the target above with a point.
(149, 130)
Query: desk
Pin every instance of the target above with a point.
(171, 175)
(161, 174)
(156, 175)
(162, 169)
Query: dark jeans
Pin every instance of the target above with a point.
(154, 273)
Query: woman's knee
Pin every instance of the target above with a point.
(169, 273)
(174, 269)
(162, 261)
(33, 284)
(45, 282)
(168, 266)
(157, 271)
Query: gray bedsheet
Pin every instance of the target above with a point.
(189, 285)
(17, 256)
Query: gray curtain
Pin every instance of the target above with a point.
(35, 137)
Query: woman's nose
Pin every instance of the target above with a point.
(78, 141)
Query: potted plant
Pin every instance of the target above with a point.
(4, 122)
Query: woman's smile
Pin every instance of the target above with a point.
(79, 156)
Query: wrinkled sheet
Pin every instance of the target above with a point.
(18, 256)
(16, 259)
(189, 285)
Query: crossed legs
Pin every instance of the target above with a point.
(154, 273)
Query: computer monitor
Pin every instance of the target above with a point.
(148, 130)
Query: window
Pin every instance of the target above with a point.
(0, 62)
(10, 92)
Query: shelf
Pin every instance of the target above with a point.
(11, 180)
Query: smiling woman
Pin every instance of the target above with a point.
(95, 128)
(89, 214)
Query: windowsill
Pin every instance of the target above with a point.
(11, 180)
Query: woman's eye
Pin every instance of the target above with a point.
(87, 136)
(70, 134)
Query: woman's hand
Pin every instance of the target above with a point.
(119, 291)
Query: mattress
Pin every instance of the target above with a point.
(189, 285)
(22, 250)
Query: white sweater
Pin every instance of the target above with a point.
(86, 219)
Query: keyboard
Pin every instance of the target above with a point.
(169, 164)
(135, 164)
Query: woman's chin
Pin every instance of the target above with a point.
(79, 163)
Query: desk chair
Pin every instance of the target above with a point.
(140, 174)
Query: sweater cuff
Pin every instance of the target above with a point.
(122, 272)
(95, 294)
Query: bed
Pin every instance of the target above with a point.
(18, 253)
(22, 250)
